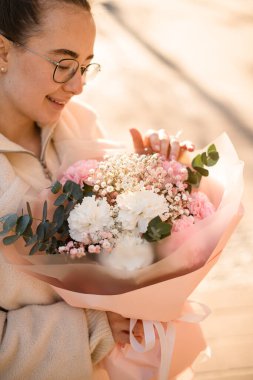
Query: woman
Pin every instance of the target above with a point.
(46, 52)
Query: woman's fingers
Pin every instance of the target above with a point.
(174, 148)
(137, 141)
(160, 142)
(187, 145)
(120, 328)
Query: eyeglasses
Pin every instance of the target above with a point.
(66, 68)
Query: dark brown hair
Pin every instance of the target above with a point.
(19, 19)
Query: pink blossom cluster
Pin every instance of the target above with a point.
(101, 241)
(79, 172)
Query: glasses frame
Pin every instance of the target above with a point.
(83, 68)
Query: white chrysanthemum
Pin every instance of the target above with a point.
(137, 209)
(88, 217)
(130, 253)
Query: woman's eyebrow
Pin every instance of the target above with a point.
(69, 52)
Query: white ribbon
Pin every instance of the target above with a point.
(166, 336)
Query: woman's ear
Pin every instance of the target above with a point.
(4, 50)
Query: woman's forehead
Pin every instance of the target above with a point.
(66, 22)
(67, 27)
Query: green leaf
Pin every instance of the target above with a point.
(56, 187)
(42, 246)
(41, 231)
(64, 230)
(68, 186)
(193, 177)
(77, 192)
(157, 230)
(204, 158)
(10, 222)
(58, 217)
(34, 249)
(44, 213)
(197, 161)
(204, 172)
(10, 239)
(88, 191)
(32, 240)
(69, 208)
(22, 224)
(211, 148)
(51, 230)
(61, 199)
(29, 210)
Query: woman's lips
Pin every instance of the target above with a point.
(57, 102)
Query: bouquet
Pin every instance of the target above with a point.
(134, 228)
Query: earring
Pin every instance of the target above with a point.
(3, 69)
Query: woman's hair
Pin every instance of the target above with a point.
(20, 19)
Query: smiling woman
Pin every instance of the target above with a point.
(46, 48)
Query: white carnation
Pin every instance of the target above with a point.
(137, 209)
(88, 217)
(130, 253)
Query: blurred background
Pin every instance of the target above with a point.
(188, 65)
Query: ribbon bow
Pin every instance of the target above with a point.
(167, 335)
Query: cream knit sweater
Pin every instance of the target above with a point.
(41, 337)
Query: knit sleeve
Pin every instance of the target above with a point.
(52, 342)
(100, 341)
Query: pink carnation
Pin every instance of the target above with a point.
(182, 223)
(175, 171)
(200, 206)
(79, 171)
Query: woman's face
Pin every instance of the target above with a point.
(67, 32)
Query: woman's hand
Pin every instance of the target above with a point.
(160, 142)
(120, 328)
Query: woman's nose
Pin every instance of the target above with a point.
(75, 84)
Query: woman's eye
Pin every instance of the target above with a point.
(63, 67)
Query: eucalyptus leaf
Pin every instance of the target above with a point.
(204, 158)
(58, 217)
(68, 187)
(88, 190)
(56, 187)
(193, 178)
(157, 230)
(10, 222)
(44, 213)
(29, 210)
(197, 161)
(51, 230)
(211, 148)
(40, 231)
(204, 172)
(22, 224)
(76, 192)
(69, 208)
(61, 199)
(42, 247)
(10, 239)
(32, 240)
(34, 249)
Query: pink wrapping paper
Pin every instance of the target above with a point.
(158, 292)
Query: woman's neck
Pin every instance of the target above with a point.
(20, 131)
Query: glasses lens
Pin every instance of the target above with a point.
(65, 70)
(90, 72)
